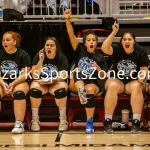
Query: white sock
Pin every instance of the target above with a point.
(62, 111)
(35, 112)
(137, 116)
(17, 121)
(107, 116)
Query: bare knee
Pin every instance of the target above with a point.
(35, 85)
(113, 86)
(24, 87)
(2, 93)
(136, 87)
(64, 85)
(90, 89)
(72, 87)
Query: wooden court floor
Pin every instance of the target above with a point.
(74, 139)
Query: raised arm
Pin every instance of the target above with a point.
(106, 46)
(72, 37)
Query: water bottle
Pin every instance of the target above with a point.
(125, 116)
(1, 13)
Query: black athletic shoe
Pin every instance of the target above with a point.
(108, 126)
(135, 126)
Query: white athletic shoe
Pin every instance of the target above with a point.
(35, 124)
(18, 127)
(63, 124)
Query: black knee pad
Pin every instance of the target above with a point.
(19, 95)
(35, 93)
(90, 101)
(60, 93)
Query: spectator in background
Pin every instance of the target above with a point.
(96, 7)
(51, 4)
(103, 6)
(141, 2)
(23, 5)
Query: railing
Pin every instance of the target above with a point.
(109, 8)
(132, 8)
